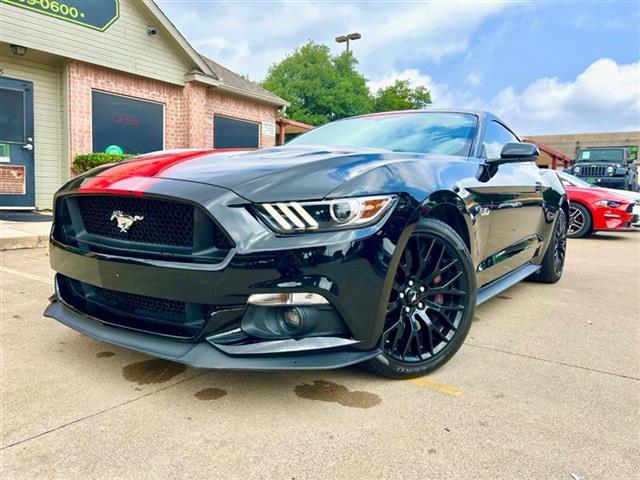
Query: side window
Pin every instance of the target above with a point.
(495, 136)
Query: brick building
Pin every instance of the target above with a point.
(79, 77)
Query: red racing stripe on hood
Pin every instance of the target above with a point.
(136, 176)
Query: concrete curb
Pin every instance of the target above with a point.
(28, 241)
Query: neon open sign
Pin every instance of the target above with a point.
(98, 15)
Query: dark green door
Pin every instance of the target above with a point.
(17, 179)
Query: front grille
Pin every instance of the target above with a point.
(161, 222)
(593, 171)
(156, 228)
(138, 312)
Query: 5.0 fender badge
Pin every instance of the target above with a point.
(125, 221)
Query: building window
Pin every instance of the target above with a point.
(136, 126)
(232, 133)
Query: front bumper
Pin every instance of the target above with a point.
(349, 268)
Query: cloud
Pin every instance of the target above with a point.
(249, 36)
(474, 79)
(605, 97)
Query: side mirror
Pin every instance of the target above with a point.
(516, 152)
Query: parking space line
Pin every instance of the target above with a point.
(437, 386)
(28, 276)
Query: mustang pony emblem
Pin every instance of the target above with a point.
(125, 221)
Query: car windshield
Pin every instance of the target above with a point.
(573, 180)
(610, 155)
(420, 132)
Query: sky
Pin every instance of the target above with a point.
(544, 67)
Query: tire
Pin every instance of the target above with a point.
(553, 261)
(579, 221)
(431, 304)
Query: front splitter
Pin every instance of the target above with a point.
(201, 355)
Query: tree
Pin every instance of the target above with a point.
(322, 87)
(400, 96)
(319, 86)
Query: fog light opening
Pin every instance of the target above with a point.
(293, 321)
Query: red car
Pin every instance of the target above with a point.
(596, 209)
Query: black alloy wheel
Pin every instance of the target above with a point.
(552, 264)
(431, 303)
(560, 246)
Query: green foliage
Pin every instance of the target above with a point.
(87, 161)
(400, 96)
(319, 86)
(322, 87)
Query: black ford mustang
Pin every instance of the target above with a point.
(370, 239)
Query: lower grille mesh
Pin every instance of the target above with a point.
(139, 312)
(139, 303)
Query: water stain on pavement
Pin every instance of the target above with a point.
(151, 371)
(504, 297)
(105, 354)
(210, 394)
(332, 392)
(475, 319)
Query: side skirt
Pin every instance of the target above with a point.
(501, 284)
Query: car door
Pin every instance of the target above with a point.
(514, 196)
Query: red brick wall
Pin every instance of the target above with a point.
(189, 110)
(241, 108)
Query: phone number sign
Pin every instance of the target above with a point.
(96, 14)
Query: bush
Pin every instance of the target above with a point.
(87, 161)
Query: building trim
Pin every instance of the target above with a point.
(202, 78)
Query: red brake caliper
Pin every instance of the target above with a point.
(439, 297)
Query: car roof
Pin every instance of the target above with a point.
(479, 113)
(483, 115)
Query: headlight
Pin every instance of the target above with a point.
(610, 170)
(294, 217)
(608, 203)
(576, 170)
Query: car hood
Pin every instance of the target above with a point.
(631, 196)
(271, 174)
(593, 194)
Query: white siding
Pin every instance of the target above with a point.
(124, 46)
(50, 132)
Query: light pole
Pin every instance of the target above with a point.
(347, 38)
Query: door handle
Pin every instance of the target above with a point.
(28, 146)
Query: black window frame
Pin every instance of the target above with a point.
(240, 120)
(135, 99)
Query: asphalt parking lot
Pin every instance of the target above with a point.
(546, 386)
